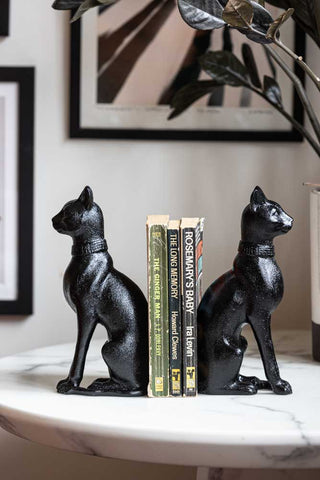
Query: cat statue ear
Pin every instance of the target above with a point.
(257, 198)
(86, 198)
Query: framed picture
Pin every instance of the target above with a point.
(16, 189)
(128, 60)
(4, 18)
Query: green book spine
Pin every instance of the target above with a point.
(158, 311)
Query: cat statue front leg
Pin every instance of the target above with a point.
(262, 333)
(85, 332)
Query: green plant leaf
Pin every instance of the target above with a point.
(202, 14)
(224, 67)
(238, 13)
(272, 90)
(189, 94)
(86, 5)
(274, 27)
(250, 63)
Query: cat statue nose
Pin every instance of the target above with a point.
(287, 220)
(290, 221)
(55, 221)
(287, 224)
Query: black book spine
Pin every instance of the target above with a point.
(174, 312)
(189, 311)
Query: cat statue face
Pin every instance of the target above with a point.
(79, 217)
(263, 219)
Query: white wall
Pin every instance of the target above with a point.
(130, 180)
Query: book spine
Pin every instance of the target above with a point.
(174, 295)
(158, 312)
(199, 262)
(189, 311)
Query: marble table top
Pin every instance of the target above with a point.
(264, 430)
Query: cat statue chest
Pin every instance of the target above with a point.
(261, 279)
(86, 276)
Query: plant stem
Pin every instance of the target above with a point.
(300, 128)
(299, 60)
(296, 58)
(299, 88)
(293, 121)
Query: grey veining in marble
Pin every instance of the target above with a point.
(262, 431)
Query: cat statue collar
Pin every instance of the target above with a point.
(89, 248)
(256, 249)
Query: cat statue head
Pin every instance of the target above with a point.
(80, 218)
(263, 219)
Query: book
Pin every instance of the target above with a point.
(158, 311)
(188, 230)
(199, 258)
(174, 294)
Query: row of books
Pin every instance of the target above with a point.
(174, 291)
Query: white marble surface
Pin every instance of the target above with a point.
(261, 431)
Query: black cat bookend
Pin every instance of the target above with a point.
(99, 294)
(247, 294)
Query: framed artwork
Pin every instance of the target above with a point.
(16, 189)
(4, 18)
(128, 60)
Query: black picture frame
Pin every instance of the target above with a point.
(4, 18)
(77, 131)
(24, 77)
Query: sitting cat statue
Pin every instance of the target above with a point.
(99, 294)
(247, 294)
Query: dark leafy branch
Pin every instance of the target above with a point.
(82, 6)
(225, 68)
(274, 28)
(251, 18)
(190, 93)
(247, 16)
(238, 13)
(306, 14)
(251, 65)
(272, 91)
(299, 88)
